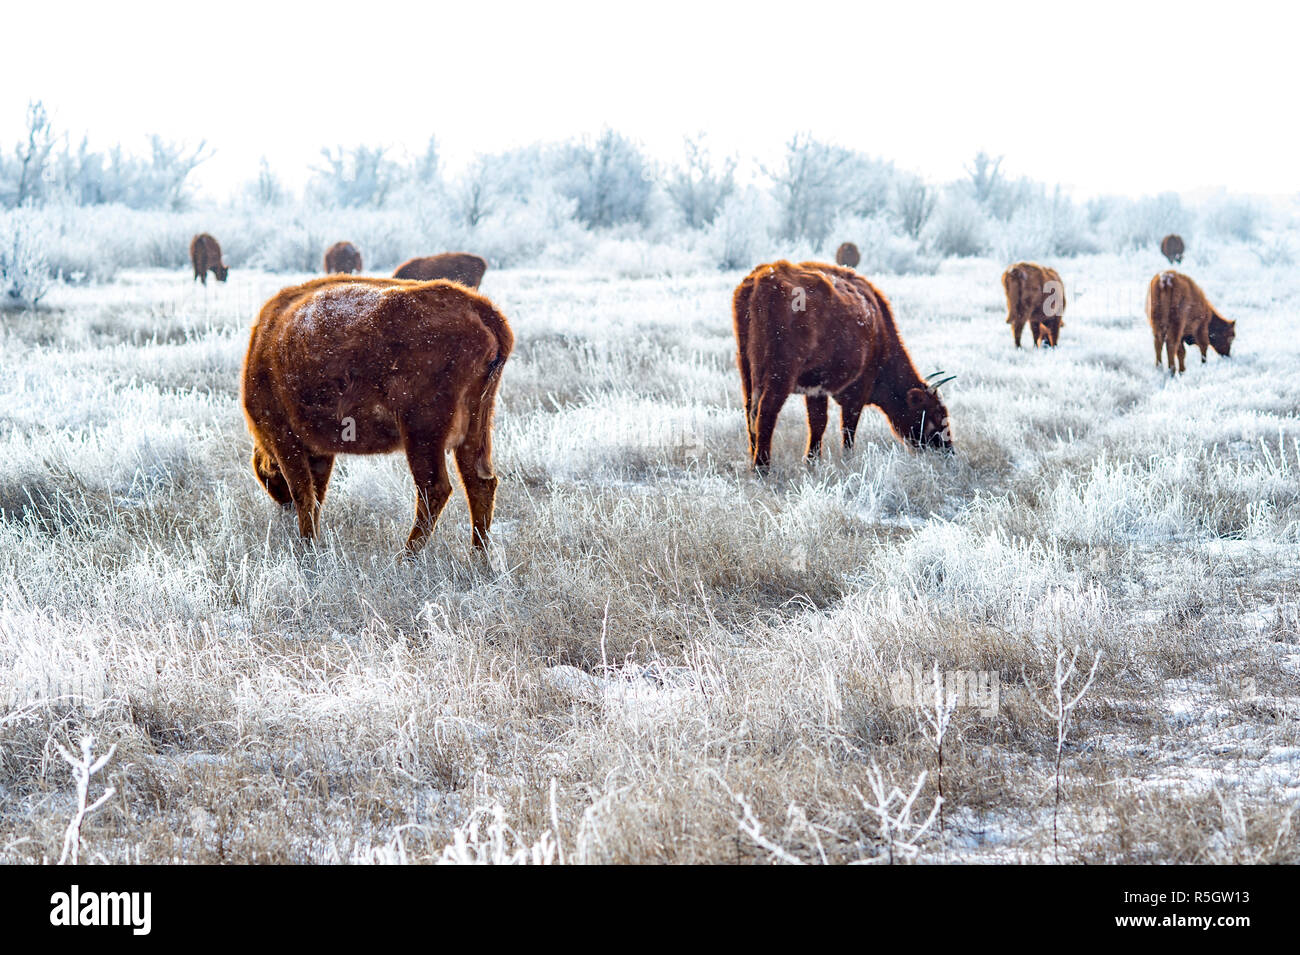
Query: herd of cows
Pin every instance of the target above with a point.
(351, 364)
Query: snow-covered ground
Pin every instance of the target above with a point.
(668, 659)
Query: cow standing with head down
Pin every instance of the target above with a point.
(368, 366)
(824, 331)
(1181, 315)
(342, 257)
(205, 256)
(1036, 297)
(1172, 248)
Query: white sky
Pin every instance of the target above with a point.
(1129, 97)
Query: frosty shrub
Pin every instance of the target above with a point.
(1044, 225)
(610, 179)
(1277, 251)
(1232, 217)
(740, 233)
(1144, 222)
(521, 231)
(817, 182)
(958, 227)
(24, 265)
(698, 188)
(913, 205)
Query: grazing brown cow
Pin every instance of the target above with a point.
(1181, 315)
(342, 257)
(824, 331)
(1035, 295)
(371, 365)
(847, 254)
(205, 254)
(1172, 248)
(459, 267)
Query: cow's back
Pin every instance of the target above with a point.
(374, 350)
(462, 267)
(812, 324)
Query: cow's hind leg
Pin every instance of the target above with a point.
(296, 466)
(480, 492)
(816, 425)
(1172, 343)
(321, 467)
(426, 454)
(770, 400)
(1017, 329)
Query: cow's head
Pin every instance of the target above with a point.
(925, 423)
(220, 271)
(271, 478)
(1051, 330)
(1222, 332)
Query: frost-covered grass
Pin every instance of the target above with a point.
(667, 658)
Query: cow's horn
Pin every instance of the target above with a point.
(942, 381)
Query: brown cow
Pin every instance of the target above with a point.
(205, 254)
(824, 331)
(847, 254)
(1181, 315)
(342, 257)
(371, 365)
(1172, 248)
(459, 267)
(1035, 295)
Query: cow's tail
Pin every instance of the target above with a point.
(1011, 285)
(740, 318)
(505, 343)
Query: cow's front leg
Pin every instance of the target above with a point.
(816, 425)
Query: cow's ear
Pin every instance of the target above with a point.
(916, 398)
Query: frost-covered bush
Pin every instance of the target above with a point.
(609, 179)
(818, 182)
(1277, 251)
(740, 234)
(520, 231)
(698, 188)
(24, 265)
(1140, 223)
(1232, 217)
(1044, 226)
(959, 227)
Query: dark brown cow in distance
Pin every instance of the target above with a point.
(342, 257)
(1181, 315)
(1172, 248)
(459, 267)
(205, 254)
(368, 366)
(847, 254)
(824, 331)
(1035, 296)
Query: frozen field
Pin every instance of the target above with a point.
(668, 659)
